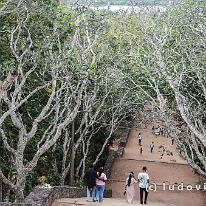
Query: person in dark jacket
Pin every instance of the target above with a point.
(90, 179)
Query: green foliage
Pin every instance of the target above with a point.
(125, 62)
(123, 2)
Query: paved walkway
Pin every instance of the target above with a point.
(169, 168)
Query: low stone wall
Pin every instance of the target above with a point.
(45, 197)
(116, 154)
(124, 138)
(112, 156)
(108, 165)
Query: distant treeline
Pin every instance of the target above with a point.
(123, 2)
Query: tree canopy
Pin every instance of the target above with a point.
(70, 77)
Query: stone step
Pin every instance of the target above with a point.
(107, 202)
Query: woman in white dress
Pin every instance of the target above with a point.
(130, 189)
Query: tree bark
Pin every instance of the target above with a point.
(1, 194)
(72, 155)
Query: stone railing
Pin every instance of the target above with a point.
(45, 196)
(114, 155)
(118, 153)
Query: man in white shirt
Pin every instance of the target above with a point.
(143, 179)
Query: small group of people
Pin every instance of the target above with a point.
(95, 182)
(143, 180)
(158, 130)
(139, 137)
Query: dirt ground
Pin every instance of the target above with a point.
(169, 169)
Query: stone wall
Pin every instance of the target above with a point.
(45, 197)
(124, 138)
(112, 156)
(116, 154)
